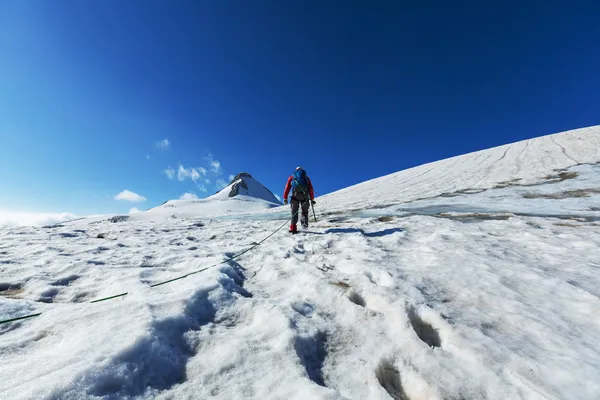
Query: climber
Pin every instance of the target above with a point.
(302, 193)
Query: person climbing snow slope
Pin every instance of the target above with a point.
(302, 192)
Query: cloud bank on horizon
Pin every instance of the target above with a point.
(10, 218)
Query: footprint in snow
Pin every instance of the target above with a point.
(158, 360)
(312, 352)
(389, 378)
(82, 297)
(407, 384)
(236, 277)
(356, 298)
(303, 308)
(424, 330)
(48, 295)
(10, 290)
(65, 281)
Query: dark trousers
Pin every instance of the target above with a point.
(295, 206)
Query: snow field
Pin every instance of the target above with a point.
(463, 291)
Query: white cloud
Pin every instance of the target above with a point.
(220, 184)
(127, 195)
(182, 173)
(202, 188)
(163, 144)
(170, 172)
(195, 174)
(215, 166)
(134, 210)
(147, 157)
(277, 197)
(13, 218)
(231, 177)
(188, 196)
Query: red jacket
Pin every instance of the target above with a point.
(288, 186)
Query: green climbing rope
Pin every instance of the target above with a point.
(173, 279)
(19, 318)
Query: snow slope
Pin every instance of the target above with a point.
(486, 287)
(526, 161)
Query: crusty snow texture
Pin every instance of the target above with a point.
(476, 277)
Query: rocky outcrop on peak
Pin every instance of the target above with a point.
(244, 184)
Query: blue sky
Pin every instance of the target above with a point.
(349, 90)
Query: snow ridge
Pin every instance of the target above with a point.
(527, 161)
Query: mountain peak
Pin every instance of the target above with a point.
(241, 175)
(243, 184)
(238, 183)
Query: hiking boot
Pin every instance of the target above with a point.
(304, 221)
(293, 229)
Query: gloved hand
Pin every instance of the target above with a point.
(313, 202)
(285, 201)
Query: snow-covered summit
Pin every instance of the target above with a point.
(243, 184)
(244, 194)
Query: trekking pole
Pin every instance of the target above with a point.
(313, 208)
